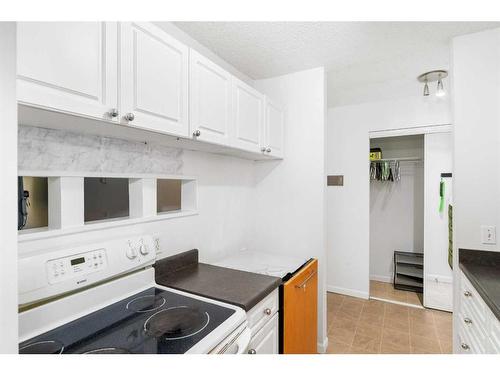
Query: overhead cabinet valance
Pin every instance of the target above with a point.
(135, 74)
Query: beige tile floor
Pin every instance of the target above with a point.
(386, 291)
(369, 326)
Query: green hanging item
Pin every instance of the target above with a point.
(441, 196)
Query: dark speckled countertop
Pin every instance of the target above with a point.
(240, 288)
(482, 268)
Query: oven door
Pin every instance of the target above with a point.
(236, 343)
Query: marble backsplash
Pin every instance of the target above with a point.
(41, 149)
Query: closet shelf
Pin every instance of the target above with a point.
(408, 271)
(397, 159)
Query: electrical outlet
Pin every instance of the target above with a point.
(157, 244)
(488, 234)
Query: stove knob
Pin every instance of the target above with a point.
(131, 252)
(143, 249)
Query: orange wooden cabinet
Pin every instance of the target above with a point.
(300, 311)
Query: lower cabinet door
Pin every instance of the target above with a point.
(266, 340)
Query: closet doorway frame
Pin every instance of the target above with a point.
(388, 133)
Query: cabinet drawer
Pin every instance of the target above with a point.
(468, 344)
(265, 340)
(471, 325)
(494, 333)
(471, 300)
(263, 311)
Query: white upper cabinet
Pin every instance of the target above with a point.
(68, 66)
(274, 128)
(153, 79)
(210, 100)
(248, 112)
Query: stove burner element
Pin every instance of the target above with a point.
(176, 323)
(43, 347)
(108, 351)
(146, 303)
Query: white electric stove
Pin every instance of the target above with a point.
(102, 299)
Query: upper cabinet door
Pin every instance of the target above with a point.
(210, 100)
(153, 79)
(68, 66)
(275, 123)
(248, 112)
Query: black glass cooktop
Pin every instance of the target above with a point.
(153, 321)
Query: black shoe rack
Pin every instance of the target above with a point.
(409, 271)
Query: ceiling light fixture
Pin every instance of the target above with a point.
(432, 76)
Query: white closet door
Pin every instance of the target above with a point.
(68, 66)
(153, 79)
(210, 100)
(248, 106)
(275, 123)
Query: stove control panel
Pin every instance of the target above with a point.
(49, 273)
(76, 265)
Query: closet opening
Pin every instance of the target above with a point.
(411, 216)
(397, 219)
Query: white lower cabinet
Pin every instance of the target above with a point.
(263, 321)
(265, 340)
(477, 328)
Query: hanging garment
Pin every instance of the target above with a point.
(373, 171)
(397, 171)
(441, 195)
(450, 236)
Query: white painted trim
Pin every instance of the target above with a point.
(397, 302)
(46, 233)
(439, 279)
(41, 173)
(382, 278)
(348, 292)
(322, 346)
(441, 128)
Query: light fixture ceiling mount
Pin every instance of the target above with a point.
(432, 76)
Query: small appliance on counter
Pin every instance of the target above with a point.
(108, 303)
(298, 295)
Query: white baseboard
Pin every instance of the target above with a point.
(323, 346)
(348, 292)
(384, 279)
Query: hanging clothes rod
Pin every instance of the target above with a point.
(396, 159)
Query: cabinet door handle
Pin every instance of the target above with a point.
(113, 112)
(268, 150)
(465, 346)
(467, 321)
(303, 284)
(252, 351)
(267, 311)
(129, 116)
(467, 293)
(196, 133)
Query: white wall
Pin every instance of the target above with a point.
(476, 113)
(290, 194)
(396, 208)
(8, 189)
(438, 292)
(347, 154)
(476, 110)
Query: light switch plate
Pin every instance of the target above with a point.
(488, 234)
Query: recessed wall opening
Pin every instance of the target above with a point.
(105, 198)
(168, 195)
(33, 202)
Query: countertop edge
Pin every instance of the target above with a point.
(495, 309)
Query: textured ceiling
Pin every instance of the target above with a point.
(362, 51)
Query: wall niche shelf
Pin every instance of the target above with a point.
(66, 203)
